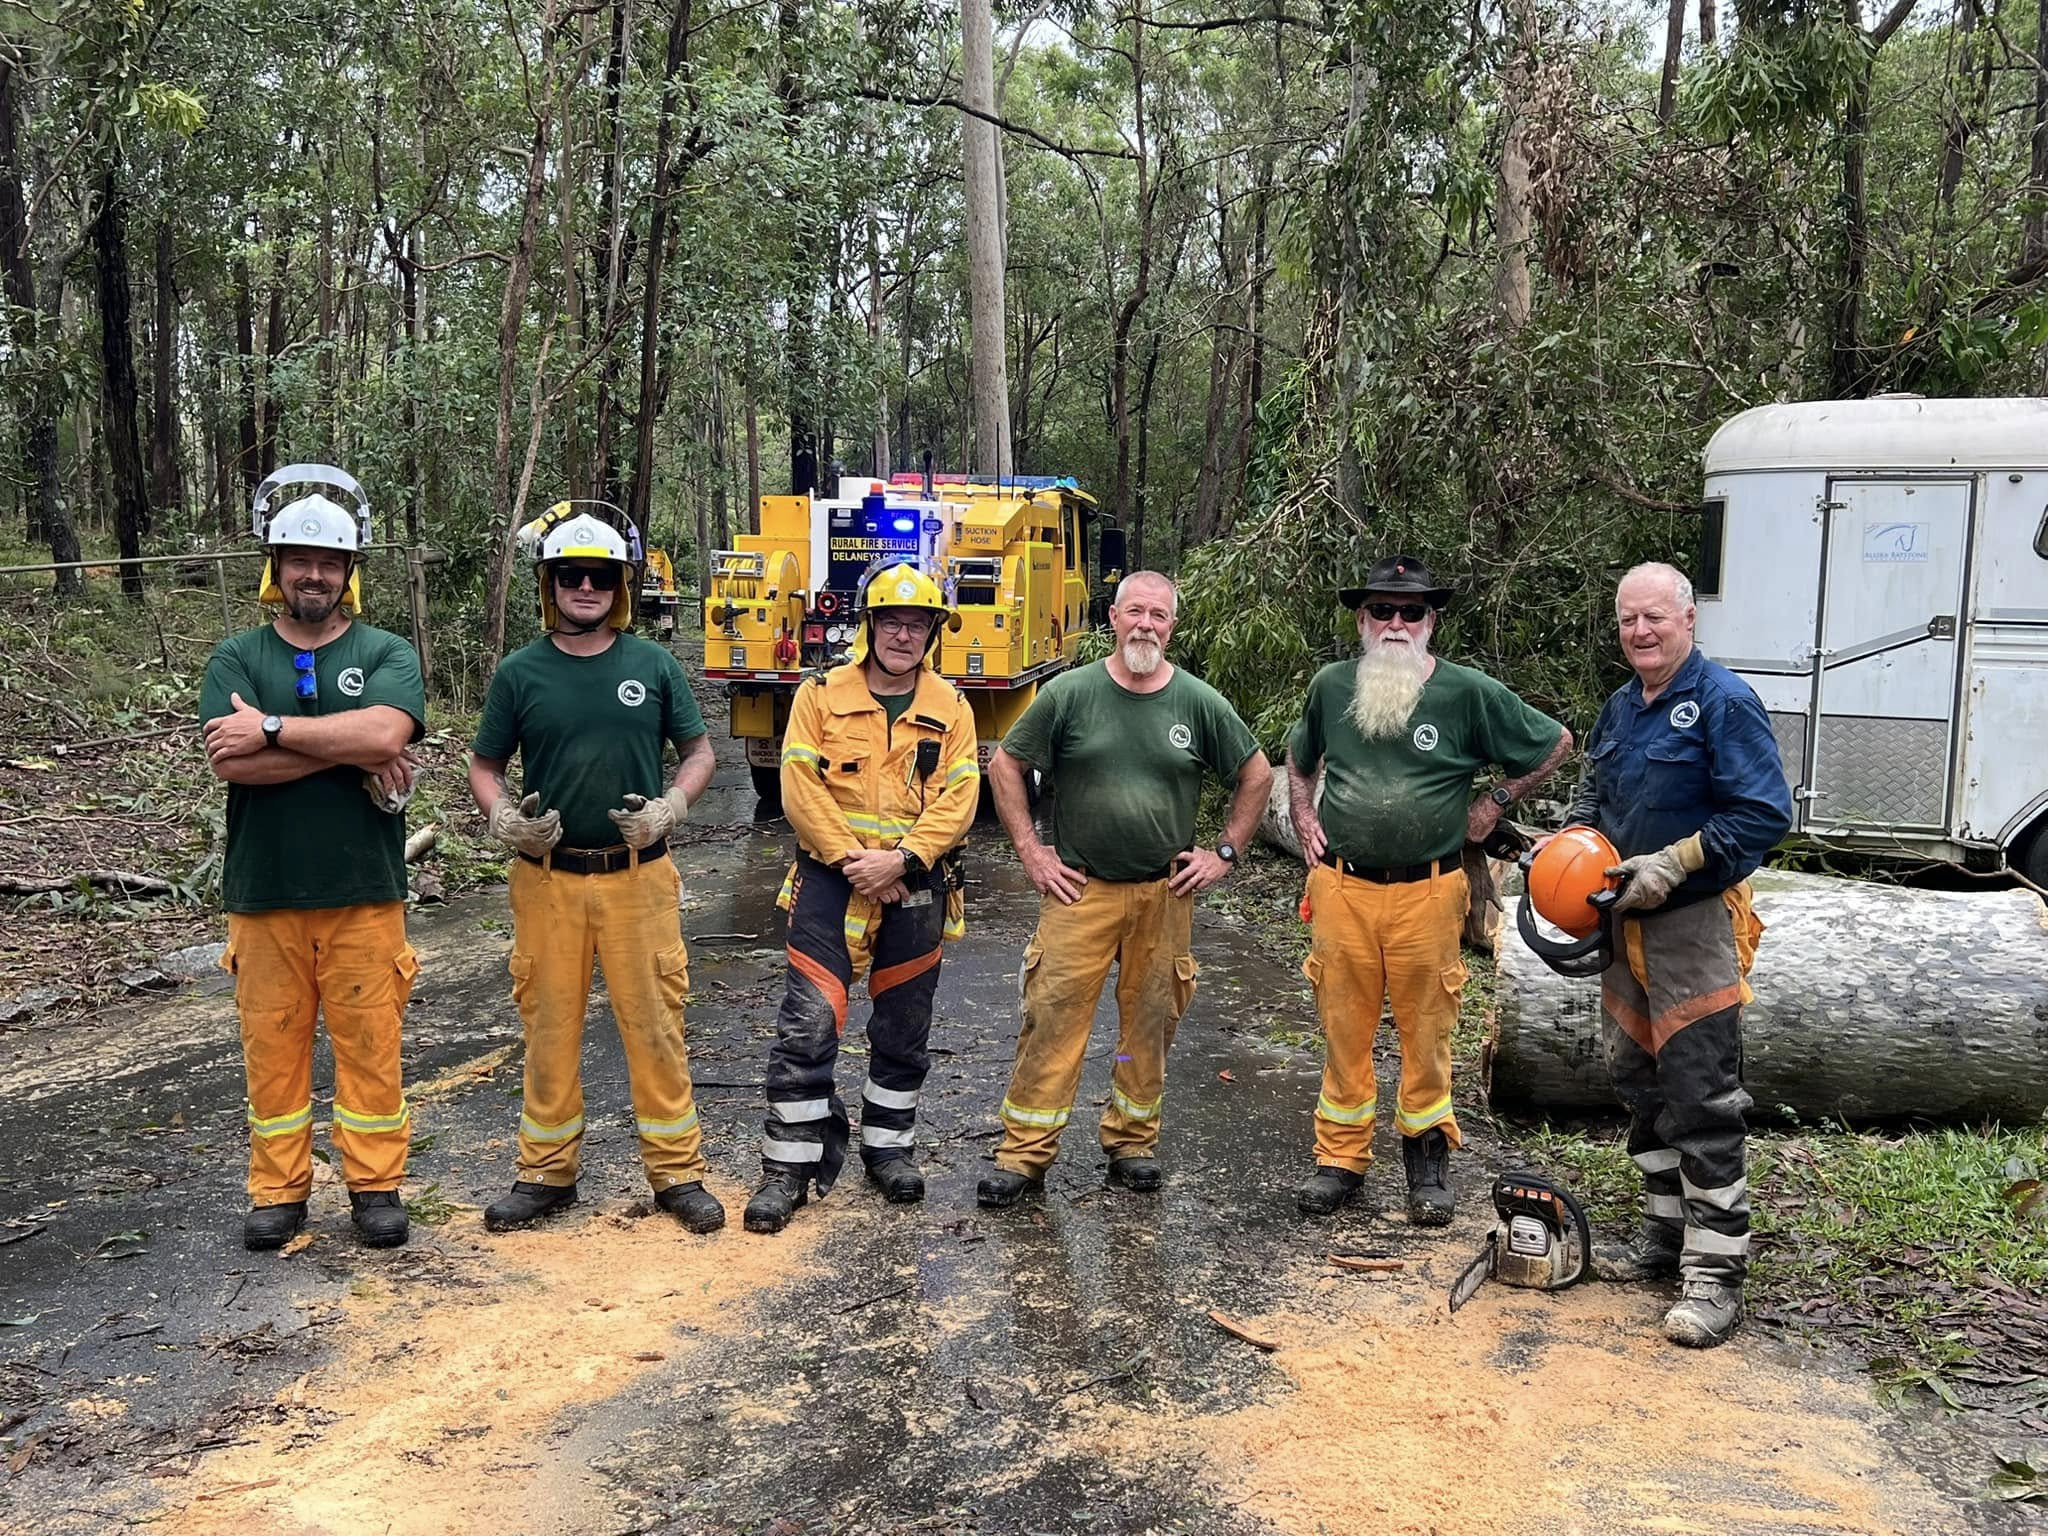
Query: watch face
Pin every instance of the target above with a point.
(1502, 798)
(1226, 853)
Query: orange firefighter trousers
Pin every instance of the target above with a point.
(1371, 941)
(352, 965)
(625, 920)
(1145, 930)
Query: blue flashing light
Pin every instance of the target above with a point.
(904, 524)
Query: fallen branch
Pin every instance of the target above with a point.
(1238, 1330)
(1124, 1372)
(417, 845)
(124, 881)
(868, 1301)
(1369, 1266)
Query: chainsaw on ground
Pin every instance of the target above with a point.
(1542, 1243)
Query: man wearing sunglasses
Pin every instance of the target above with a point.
(1402, 735)
(588, 708)
(301, 715)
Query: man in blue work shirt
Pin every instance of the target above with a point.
(1683, 778)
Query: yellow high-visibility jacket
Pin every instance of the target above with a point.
(850, 780)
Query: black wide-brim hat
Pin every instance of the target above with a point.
(1396, 576)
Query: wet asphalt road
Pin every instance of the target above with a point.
(122, 1274)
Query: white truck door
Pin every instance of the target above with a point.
(1884, 709)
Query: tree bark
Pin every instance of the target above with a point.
(1709, 25)
(1845, 351)
(985, 259)
(1942, 1020)
(117, 376)
(245, 392)
(2036, 243)
(1674, 50)
(1130, 512)
(1512, 293)
(639, 506)
(166, 476)
(604, 430)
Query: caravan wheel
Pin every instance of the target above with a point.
(2029, 856)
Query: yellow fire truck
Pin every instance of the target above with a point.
(1013, 555)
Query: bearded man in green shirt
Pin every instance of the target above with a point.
(1402, 734)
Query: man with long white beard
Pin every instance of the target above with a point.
(1127, 742)
(1403, 733)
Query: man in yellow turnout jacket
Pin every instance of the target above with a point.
(1403, 734)
(1127, 743)
(307, 720)
(880, 783)
(588, 707)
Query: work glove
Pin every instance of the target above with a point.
(644, 822)
(522, 829)
(382, 797)
(1652, 877)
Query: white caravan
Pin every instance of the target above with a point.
(1878, 571)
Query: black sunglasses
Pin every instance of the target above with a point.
(599, 578)
(1411, 613)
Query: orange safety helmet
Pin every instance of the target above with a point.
(1565, 876)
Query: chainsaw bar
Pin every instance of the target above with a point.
(1476, 1273)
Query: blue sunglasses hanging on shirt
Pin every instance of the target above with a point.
(309, 685)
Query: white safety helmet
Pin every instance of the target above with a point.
(567, 532)
(584, 538)
(314, 522)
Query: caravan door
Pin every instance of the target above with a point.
(1885, 691)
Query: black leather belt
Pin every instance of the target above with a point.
(599, 861)
(1164, 872)
(1400, 874)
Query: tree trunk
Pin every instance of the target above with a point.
(1941, 1022)
(1709, 25)
(1123, 495)
(505, 507)
(1674, 49)
(1845, 352)
(273, 349)
(639, 506)
(2036, 244)
(753, 442)
(117, 376)
(245, 394)
(1511, 287)
(166, 477)
(985, 260)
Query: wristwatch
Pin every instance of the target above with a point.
(1226, 853)
(1501, 797)
(272, 724)
(913, 866)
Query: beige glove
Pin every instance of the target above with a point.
(1652, 877)
(644, 822)
(521, 829)
(390, 787)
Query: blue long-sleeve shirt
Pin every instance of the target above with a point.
(1701, 759)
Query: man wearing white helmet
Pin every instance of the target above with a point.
(302, 716)
(588, 708)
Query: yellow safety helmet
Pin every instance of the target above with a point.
(900, 584)
(568, 532)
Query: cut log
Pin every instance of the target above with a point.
(119, 881)
(1873, 1002)
(417, 846)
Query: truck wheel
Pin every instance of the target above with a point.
(2029, 857)
(768, 785)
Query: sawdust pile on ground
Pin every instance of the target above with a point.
(1528, 1414)
(434, 1416)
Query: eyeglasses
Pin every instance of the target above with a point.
(308, 684)
(1411, 613)
(904, 624)
(599, 578)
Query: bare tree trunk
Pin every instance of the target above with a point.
(505, 506)
(604, 431)
(639, 506)
(1845, 351)
(1511, 287)
(985, 260)
(574, 450)
(245, 392)
(753, 444)
(2036, 244)
(166, 478)
(1709, 25)
(117, 375)
(1130, 510)
(273, 349)
(1674, 49)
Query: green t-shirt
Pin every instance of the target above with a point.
(894, 705)
(317, 841)
(588, 729)
(1127, 766)
(1404, 799)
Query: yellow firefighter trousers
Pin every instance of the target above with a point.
(351, 964)
(1145, 929)
(1371, 941)
(625, 920)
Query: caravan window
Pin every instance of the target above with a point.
(1706, 572)
(2041, 534)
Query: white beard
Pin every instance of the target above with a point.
(1390, 681)
(1142, 657)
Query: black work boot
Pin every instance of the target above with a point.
(1326, 1190)
(527, 1203)
(1136, 1173)
(1652, 1255)
(1003, 1187)
(900, 1181)
(781, 1195)
(379, 1216)
(693, 1205)
(272, 1226)
(1429, 1184)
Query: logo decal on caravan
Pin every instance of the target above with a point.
(1895, 543)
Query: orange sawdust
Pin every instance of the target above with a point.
(434, 1416)
(1531, 1415)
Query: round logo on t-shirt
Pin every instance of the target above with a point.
(1425, 738)
(350, 682)
(632, 693)
(1685, 714)
(1181, 736)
